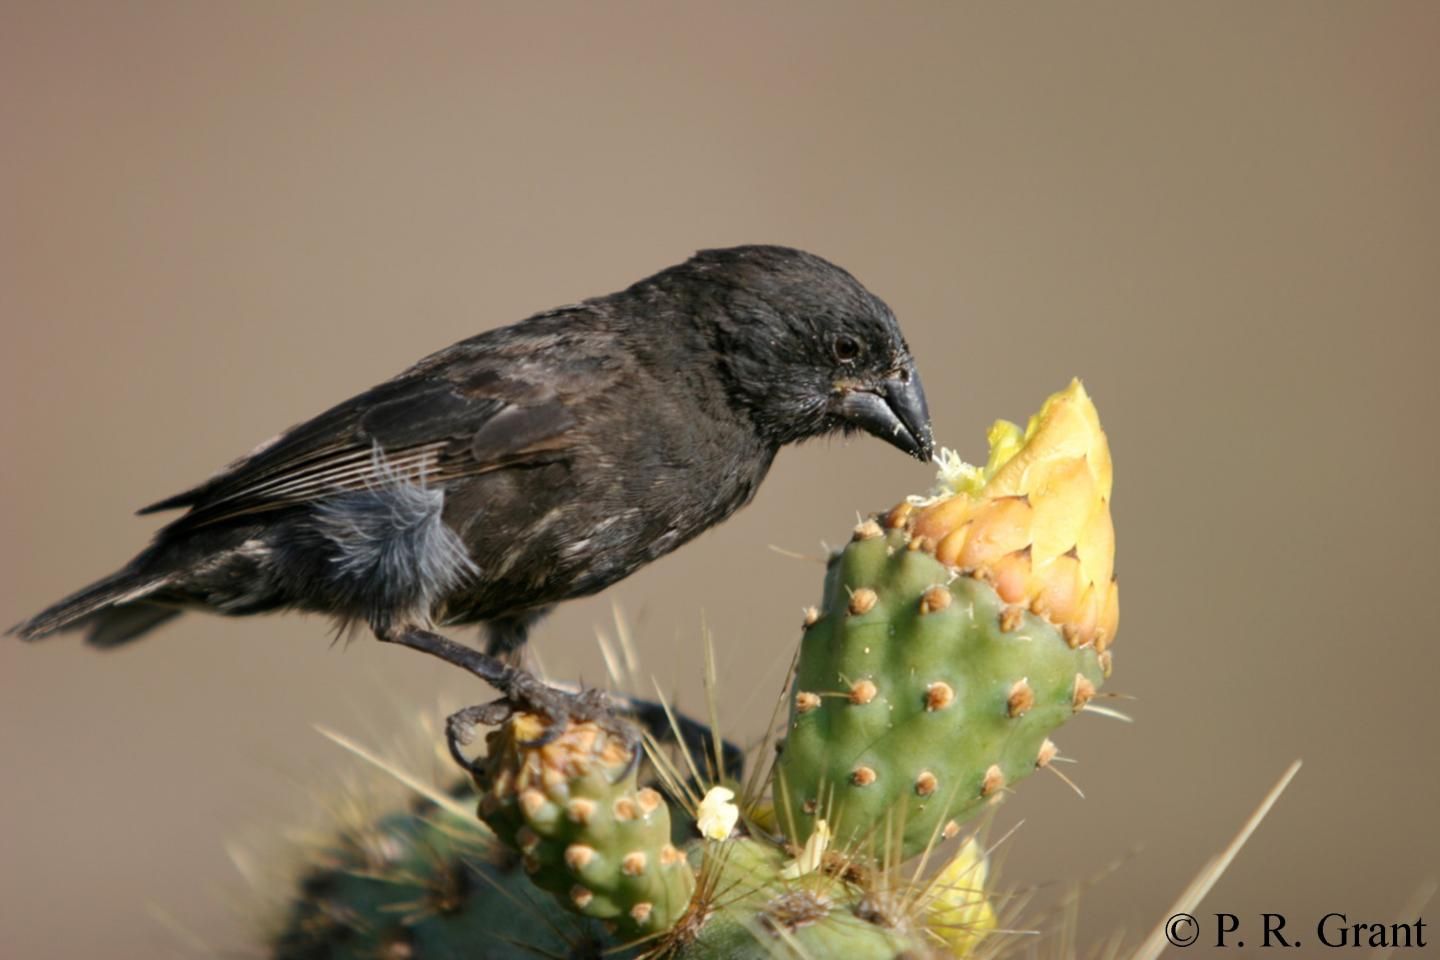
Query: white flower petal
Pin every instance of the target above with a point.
(717, 814)
(812, 856)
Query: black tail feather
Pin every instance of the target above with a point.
(114, 610)
(116, 625)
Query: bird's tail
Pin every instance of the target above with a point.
(113, 610)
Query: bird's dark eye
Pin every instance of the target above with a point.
(847, 348)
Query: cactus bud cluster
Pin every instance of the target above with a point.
(565, 794)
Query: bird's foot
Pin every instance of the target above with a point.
(523, 691)
(460, 730)
(557, 709)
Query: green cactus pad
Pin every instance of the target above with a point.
(764, 915)
(424, 884)
(585, 832)
(919, 695)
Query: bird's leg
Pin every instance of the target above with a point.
(522, 690)
(492, 670)
(505, 636)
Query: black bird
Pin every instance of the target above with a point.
(529, 464)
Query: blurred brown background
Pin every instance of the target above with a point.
(220, 220)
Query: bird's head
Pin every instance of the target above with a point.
(809, 351)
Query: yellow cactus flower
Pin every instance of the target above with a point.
(813, 856)
(1034, 521)
(717, 814)
(959, 911)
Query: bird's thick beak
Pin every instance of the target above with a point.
(894, 410)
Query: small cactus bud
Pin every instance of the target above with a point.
(868, 530)
(939, 695)
(532, 801)
(862, 601)
(934, 599)
(897, 516)
(578, 856)
(862, 692)
(994, 780)
(1021, 698)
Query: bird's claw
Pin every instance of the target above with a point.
(524, 692)
(460, 730)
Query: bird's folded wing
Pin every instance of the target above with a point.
(427, 430)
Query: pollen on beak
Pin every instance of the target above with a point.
(892, 409)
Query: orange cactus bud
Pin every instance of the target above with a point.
(943, 518)
(1010, 575)
(1035, 520)
(1002, 527)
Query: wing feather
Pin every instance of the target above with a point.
(503, 397)
(432, 432)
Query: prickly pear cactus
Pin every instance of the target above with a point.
(769, 910)
(954, 636)
(956, 633)
(567, 798)
(424, 883)
(569, 807)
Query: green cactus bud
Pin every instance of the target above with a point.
(919, 695)
(568, 801)
(765, 909)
